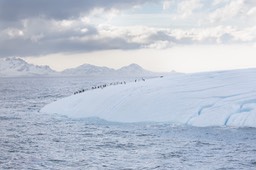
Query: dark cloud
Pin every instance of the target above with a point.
(37, 23)
(165, 36)
(54, 41)
(40, 37)
(57, 9)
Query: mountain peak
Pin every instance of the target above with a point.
(135, 69)
(133, 65)
(132, 70)
(14, 66)
(88, 69)
(89, 66)
(14, 60)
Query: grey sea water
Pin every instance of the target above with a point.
(31, 140)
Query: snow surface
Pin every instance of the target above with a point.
(225, 98)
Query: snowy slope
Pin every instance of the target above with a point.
(206, 99)
(19, 67)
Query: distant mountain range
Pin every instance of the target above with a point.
(16, 67)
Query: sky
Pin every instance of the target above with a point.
(160, 35)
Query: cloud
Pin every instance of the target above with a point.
(187, 7)
(159, 45)
(252, 12)
(40, 36)
(230, 10)
(40, 27)
(218, 2)
(58, 9)
(167, 4)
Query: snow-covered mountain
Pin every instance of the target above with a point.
(88, 70)
(132, 70)
(226, 98)
(10, 67)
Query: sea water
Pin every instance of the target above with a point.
(32, 140)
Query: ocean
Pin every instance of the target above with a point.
(32, 140)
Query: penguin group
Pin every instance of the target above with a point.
(98, 87)
(104, 85)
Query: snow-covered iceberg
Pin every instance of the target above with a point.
(226, 98)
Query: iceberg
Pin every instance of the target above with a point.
(223, 98)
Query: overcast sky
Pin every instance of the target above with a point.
(160, 35)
